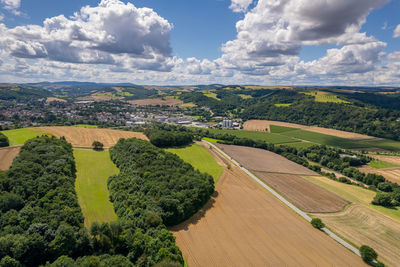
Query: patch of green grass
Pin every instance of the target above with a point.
(379, 164)
(325, 139)
(20, 136)
(280, 129)
(264, 136)
(211, 140)
(188, 105)
(93, 170)
(200, 159)
(245, 96)
(282, 105)
(386, 144)
(354, 194)
(300, 144)
(86, 126)
(211, 95)
(326, 97)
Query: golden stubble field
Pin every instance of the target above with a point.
(7, 155)
(244, 225)
(156, 102)
(264, 125)
(84, 137)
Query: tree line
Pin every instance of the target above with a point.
(3, 140)
(162, 138)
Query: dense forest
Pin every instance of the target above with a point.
(161, 138)
(3, 140)
(21, 93)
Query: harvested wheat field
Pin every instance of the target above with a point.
(156, 102)
(84, 137)
(263, 125)
(302, 193)
(364, 226)
(244, 225)
(256, 159)
(55, 99)
(7, 155)
(392, 174)
(391, 159)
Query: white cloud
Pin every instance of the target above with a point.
(240, 5)
(396, 32)
(12, 6)
(104, 34)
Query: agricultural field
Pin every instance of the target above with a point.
(84, 137)
(262, 125)
(20, 136)
(379, 164)
(199, 158)
(211, 95)
(302, 193)
(188, 105)
(243, 96)
(282, 105)
(86, 126)
(244, 225)
(364, 226)
(93, 170)
(55, 99)
(268, 137)
(261, 160)
(326, 97)
(7, 155)
(395, 160)
(392, 174)
(157, 102)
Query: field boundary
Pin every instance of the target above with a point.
(286, 202)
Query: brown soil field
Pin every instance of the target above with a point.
(256, 159)
(95, 97)
(156, 101)
(364, 226)
(302, 193)
(262, 125)
(7, 155)
(55, 99)
(244, 225)
(84, 137)
(392, 174)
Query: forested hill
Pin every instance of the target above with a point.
(20, 93)
(365, 115)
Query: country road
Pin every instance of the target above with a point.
(286, 202)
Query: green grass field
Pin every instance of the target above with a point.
(211, 95)
(93, 170)
(326, 97)
(245, 96)
(280, 129)
(282, 105)
(211, 140)
(200, 159)
(20, 136)
(379, 164)
(354, 194)
(268, 137)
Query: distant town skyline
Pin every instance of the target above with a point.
(266, 42)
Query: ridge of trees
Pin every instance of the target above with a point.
(161, 138)
(4, 140)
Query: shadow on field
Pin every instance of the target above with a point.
(198, 216)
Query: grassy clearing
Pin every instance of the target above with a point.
(268, 137)
(245, 96)
(379, 164)
(211, 95)
(93, 170)
(200, 159)
(354, 194)
(188, 105)
(86, 126)
(211, 140)
(20, 136)
(326, 97)
(282, 105)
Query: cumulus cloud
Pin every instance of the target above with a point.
(396, 32)
(240, 5)
(96, 35)
(12, 6)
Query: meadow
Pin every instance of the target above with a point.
(20, 136)
(200, 159)
(326, 97)
(379, 164)
(93, 170)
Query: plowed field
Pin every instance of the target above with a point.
(302, 193)
(84, 137)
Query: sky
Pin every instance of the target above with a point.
(183, 42)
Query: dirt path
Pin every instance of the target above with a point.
(263, 125)
(244, 225)
(7, 155)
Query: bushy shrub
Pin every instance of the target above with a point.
(317, 223)
(368, 254)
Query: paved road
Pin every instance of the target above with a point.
(286, 202)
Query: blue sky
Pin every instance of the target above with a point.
(198, 41)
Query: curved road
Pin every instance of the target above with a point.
(286, 202)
